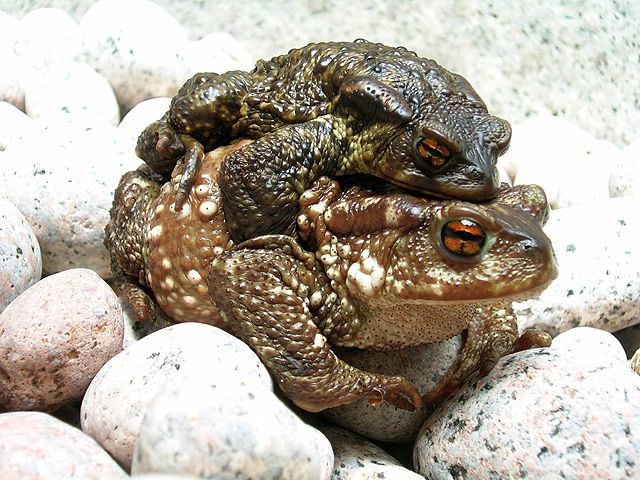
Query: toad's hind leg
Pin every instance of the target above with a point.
(492, 334)
(274, 297)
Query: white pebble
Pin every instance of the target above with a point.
(71, 89)
(218, 52)
(67, 174)
(15, 77)
(35, 445)
(137, 46)
(8, 33)
(47, 35)
(15, 125)
(119, 395)
(598, 283)
(137, 119)
(228, 430)
(551, 152)
(20, 259)
(625, 175)
(55, 337)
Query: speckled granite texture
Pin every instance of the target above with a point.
(573, 58)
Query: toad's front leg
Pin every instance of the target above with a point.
(492, 334)
(277, 301)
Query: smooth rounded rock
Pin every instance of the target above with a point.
(71, 89)
(634, 363)
(551, 152)
(423, 365)
(14, 79)
(137, 46)
(15, 124)
(20, 259)
(62, 179)
(47, 35)
(625, 175)
(55, 337)
(599, 282)
(543, 413)
(8, 32)
(583, 341)
(35, 445)
(358, 459)
(117, 399)
(228, 430)
(137, 119)
(218, 52)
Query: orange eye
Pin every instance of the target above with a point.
(433, 152)
(463, 237)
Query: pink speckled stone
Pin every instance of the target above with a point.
(35, 446)
(20, 260)
(55, 337)
(543, 413)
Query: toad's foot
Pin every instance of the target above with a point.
(492, 333)
(274, 297)
(160, 147)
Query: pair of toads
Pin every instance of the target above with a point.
(258, 237)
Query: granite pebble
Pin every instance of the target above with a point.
(218, 52)
(72, 89)
(20, 259)
(542, 413)
(423, 365)
(625, 175)
(599, 282)
(358, 459)
(8, 31)
(141, 53)
(62, 178)
(567, 150)
(47, 35)
(34, 446)
(55, 337)
(14, 79)
(228, 430)
(137, 119)
(118, 397)
(15, 124)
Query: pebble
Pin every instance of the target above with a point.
(14, 79)
(599, 281)
(228, 430)
(20, 259)
(53, 344)
(141, 53)
(549, 151)
(117, 399)
(34, 445)
(625, 175)
(15, 124)
(423, 365)
(218, 52)
(71, 89)
(137, 119)
(542, 413)
(356, 458)
(62, 178)
(47, 35)
(8, 32)
(634, 363)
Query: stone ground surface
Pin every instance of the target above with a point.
(573, 58)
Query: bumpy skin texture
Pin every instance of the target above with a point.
(329, 109)
(377, 272)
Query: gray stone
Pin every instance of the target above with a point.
(544, 413)
(228, 430)
(118, 397)
(423, 365)
(55, 337)
(358, 459)
(20, 260)
(599, 282)
(625, 173)
(35, 445)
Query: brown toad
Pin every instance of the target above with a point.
(382, 270)
(329, 109)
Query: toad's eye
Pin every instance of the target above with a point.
(435, 154)
(463, 237)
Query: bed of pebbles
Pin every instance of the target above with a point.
(84, 397)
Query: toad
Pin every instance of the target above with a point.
(329, 109)
(372, 269)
